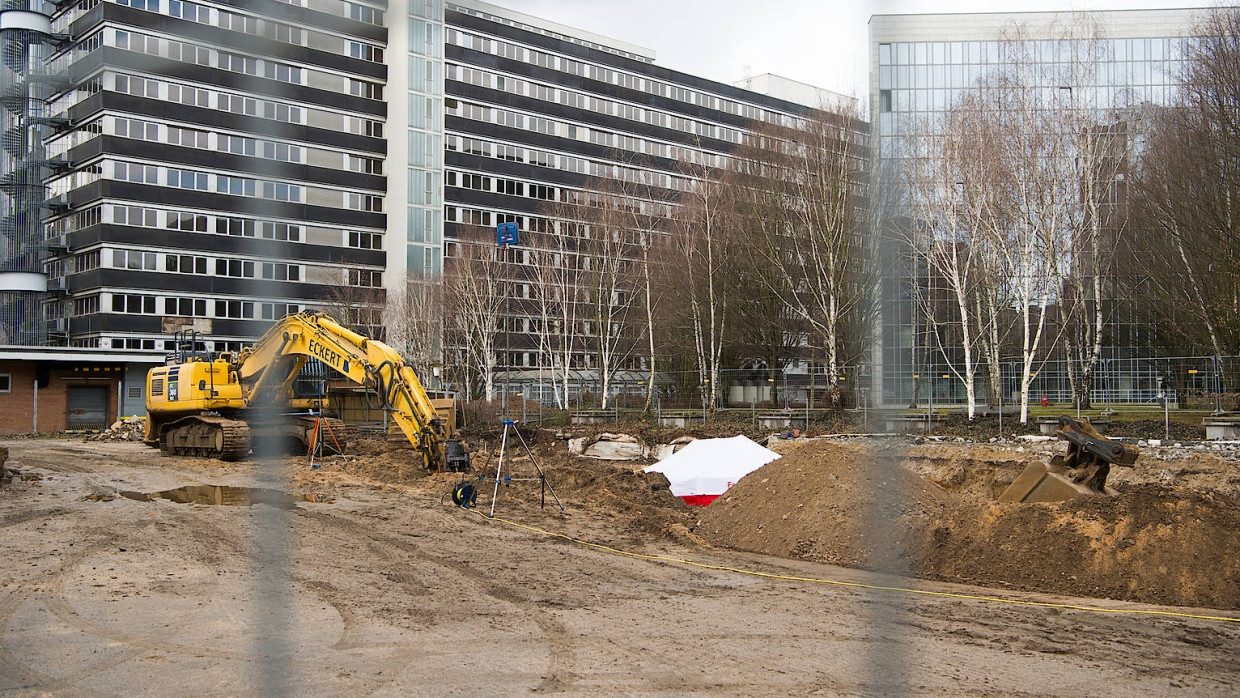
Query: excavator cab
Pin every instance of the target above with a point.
(1081, 472)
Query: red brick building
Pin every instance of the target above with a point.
(46, 390)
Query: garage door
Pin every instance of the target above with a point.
(88, 407)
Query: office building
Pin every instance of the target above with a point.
(922, 63)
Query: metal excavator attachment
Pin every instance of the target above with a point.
(1081, 472)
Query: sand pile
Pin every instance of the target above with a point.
(867, 508)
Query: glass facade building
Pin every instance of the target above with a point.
(922, 63)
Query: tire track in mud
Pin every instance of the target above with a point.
(561, 654)
(22, 517)
(25, 676)
(50, 591)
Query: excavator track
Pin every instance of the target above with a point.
(206, 437)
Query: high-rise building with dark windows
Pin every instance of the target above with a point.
(215, 165)
(209, 165)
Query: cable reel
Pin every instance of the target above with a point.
(465, 495)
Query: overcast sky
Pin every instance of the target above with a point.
(820, 42)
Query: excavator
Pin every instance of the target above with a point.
(215, 406)
(1081, 472)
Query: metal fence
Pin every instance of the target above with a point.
(1189, 381)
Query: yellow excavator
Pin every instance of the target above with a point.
(215, 406)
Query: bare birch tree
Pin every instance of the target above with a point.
(554, 289)
(414, 317)
(811, 178)
(952, 201)
(474, 298)
(700, 238)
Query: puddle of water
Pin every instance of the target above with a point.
(228, 496)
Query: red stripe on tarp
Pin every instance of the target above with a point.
(699, 500)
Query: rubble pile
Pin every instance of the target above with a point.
(124, 429)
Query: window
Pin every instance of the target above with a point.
(6, 382)
(237, 145)
(238, 64)
(281, 272)
(357, 163)
(238, 310)
(365, 241)
(143, 174)
(280, 191)
(133, 259)
(189, 11)
(142, 87)
(365, 89)
(366, 52)
(365, 277)
(364, 202)
(185, 264)
(187, 307)
(137, 42)
(187, 137)
(235, 226)
(281, 151)
(136, 128)
(286, 34)
(86, 261)
(188, 179)
(86, 306)
(369, 15)
(238, 23)
(189, 95)
(133, 304)
(280, 231)
(275, 311)
(283, 72)
(235, 268)
(239, 186)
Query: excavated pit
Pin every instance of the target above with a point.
(224, 495)
(930, 512)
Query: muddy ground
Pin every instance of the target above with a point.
(380, 586)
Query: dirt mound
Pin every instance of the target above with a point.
(818, 503)
(866, 507)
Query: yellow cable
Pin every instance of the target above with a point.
(861, 585)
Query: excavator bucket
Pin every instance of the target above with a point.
(1082, 472)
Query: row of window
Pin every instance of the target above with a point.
(224, 60)
(573, 163)
(194, 138)
(222, 101)
(593, 103)
(148, 217)
(1040, 51)
(609, 139)
(197, 264)
(184, 306)
(615, 77)
(201, 181)
(500, 185)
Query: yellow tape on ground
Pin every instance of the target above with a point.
(861, 585)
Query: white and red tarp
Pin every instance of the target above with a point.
(706, 468)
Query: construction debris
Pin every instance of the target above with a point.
(123, 429)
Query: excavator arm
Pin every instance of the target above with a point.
(266, 369)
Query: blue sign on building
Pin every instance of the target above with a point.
(506, 234)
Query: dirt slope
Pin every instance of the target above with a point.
(826, 502)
